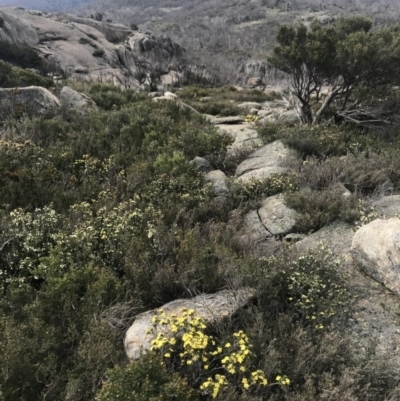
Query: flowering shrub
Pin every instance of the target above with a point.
(314, 289)
(208, 364)
(367, 214)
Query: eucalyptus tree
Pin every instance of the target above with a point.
(339, 67)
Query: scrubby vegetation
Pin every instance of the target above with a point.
(102, 217)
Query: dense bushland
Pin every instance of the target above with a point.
(102, 217)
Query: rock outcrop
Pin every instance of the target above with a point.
(276, 217)
(273, 219)
(32, 100)
(89, 49)
(201, 164)
(376, 250)
(263, 162)
(212, 308)
(76, 102)
(217, 178)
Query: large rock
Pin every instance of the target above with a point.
(32, 100)
(276, 217)
(250, 105)
(68, 42)
(224, 120)
(288, 117)
(244, 137)
(212, 308)
(217, 178)
(338, 236)
(376, 250)
(254, 229)
(77, 102)
(201, 164)
(270, 159)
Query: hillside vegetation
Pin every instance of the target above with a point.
(103, 217)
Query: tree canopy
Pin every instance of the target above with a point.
(345, 58)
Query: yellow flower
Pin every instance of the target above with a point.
(245, 383)
(215, 391)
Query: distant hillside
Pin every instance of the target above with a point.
(227, 34)
(44, 5)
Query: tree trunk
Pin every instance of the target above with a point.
(327, 102)
(305, 114)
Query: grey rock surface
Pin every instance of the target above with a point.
(32, 100)
(254, 229)
(69, 42)
(243, 135)
(218, 181)
(75, 101)
(276, 217)
(376, 251)
(338, 236)
(387, 206)
(250, 105)
(289, 117)
(265, 161)
(201, 164)
(224, 120)
(212, 308)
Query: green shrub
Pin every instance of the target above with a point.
(21, 55)
(85, 41)
(145, 380)
(11, 76)
(2, 22)
(134, 27)
(108, 97)
(91, 36)
(362, 173)
(319, 208)
(257, 190)
(98, 53)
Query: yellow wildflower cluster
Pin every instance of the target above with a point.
(284, 380)
(252, 119)
(182, 342)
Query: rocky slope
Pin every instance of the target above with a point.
(91, 49)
